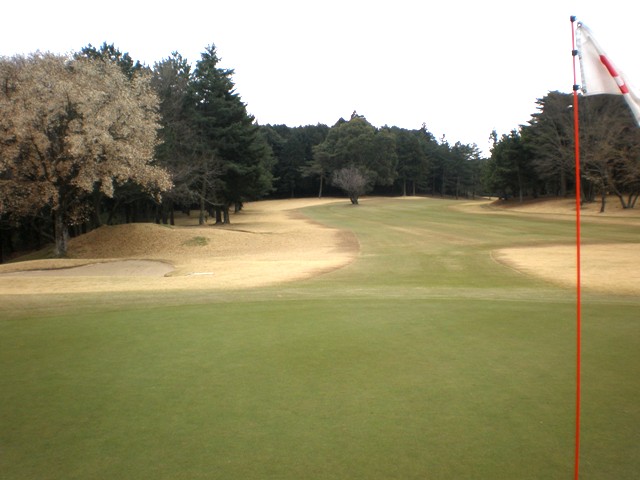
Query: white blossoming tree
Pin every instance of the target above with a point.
(69, 127)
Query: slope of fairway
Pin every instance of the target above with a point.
(423, 358)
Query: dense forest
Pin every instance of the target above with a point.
(99, 138)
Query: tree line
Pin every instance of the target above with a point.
(354, 157)
(538, 158)
(98, 138)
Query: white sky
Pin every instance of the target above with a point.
(463, 68)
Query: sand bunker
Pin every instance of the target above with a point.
(124, 268)
(609, 268)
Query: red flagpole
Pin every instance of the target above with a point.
(578, 279)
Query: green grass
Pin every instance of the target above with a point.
(197, 242)
(423, 359)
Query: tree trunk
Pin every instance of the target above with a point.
(622, 200)
(619, 194)
(321, 184)
(61, 234)
(113, 211)
(520, 186)
(218, 210)
(203, 194)
(225, 214)
(97, 201)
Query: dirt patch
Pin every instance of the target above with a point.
(268, 242)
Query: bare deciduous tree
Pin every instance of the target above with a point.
(610, 142)
(352, 181)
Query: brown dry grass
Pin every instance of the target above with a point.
(268, 242)
(609, 268)
(567, 206)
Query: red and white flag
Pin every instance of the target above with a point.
(600, 75)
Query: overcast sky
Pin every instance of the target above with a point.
(463, 68)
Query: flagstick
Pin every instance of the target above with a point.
(578, 293)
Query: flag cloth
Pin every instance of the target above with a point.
(600, 75)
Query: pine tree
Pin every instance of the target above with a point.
(234, 157)
(171, 78)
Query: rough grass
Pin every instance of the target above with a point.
(423, 359)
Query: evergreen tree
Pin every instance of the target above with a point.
(171, 78)
(412, 158)
(510, 171)
(112, 54)
(358, 144)
(550, 138)
(232, 155)
(293, 150)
